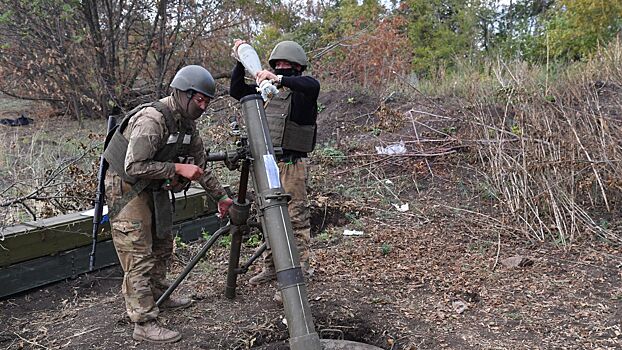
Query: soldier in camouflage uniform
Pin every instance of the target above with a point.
(155, 149)
(291, 117)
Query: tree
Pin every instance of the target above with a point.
(576, 28)
(517, 27)
(440, 31)
(361, 44)
(89, 56)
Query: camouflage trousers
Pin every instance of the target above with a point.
(294, 181)
(143, 256)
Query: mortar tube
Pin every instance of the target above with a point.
(234, 259)
(277, 227)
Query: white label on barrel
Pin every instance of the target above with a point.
(272, 171)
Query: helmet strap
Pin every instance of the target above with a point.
(189, 94)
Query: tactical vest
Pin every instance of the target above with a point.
(284, 132)
(177, 144)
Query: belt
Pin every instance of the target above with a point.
(288, 158)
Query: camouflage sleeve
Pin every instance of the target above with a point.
(148, 130)
(208, 181)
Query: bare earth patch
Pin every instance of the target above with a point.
(433, 288)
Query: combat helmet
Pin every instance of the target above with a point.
(290, 51)
(195, 78)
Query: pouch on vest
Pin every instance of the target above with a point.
(299, 138)
(115, 155)
(276, 113)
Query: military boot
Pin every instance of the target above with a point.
(151, 331)
(267, 274)
(173, 303)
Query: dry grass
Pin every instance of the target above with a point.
(405, 283)
(46, 168)
(550, 149)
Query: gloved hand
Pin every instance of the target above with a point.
(223, 206)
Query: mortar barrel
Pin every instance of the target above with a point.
(272, 202)
(277, 228)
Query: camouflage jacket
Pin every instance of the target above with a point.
(147, 134)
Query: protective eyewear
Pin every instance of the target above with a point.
(200, 99)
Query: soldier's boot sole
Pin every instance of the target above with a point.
(158, 341)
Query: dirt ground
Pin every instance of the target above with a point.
(434, 276)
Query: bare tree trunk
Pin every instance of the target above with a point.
(91, 15)
(161, 52)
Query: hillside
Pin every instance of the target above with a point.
(439, 264)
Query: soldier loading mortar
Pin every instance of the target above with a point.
(256, 159)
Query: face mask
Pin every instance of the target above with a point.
(287, 72)
(193, 110)
(188, 108)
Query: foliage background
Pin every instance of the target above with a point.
(89, 57)
(536, 80)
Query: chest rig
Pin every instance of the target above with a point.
(284, 132)
(177, 143)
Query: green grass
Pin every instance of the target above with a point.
(385, 248)
(329, 155)
(179, 244)
(324, 236)
(253, 241)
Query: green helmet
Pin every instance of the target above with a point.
(288, 51)
(195, 78)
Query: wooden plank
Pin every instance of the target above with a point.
(41, 271)
(49, 236)
(45, 240)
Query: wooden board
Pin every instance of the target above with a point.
(48, 269)
(61, 233)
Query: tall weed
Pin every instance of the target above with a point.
(47, 170)
(549, 141)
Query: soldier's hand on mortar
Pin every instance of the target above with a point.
(189, 171)
(223, 206)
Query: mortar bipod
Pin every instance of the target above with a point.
(193, 263)
(238, 227)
